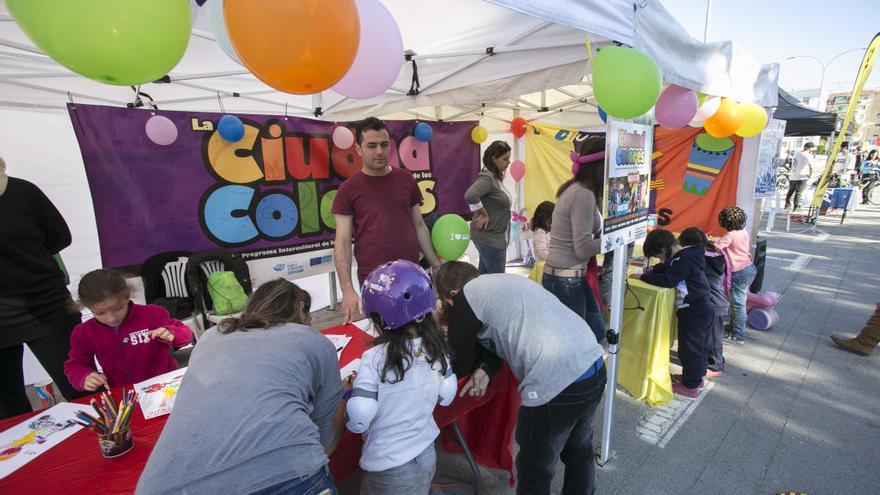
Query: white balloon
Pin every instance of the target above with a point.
(707, 109)
(218, 29)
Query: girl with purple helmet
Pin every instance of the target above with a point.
(400, 381)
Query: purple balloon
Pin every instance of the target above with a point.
(379, 56)
(676, 107)
(161, 130)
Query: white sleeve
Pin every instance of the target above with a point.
(364, 403)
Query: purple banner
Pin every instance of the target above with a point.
(268, 194)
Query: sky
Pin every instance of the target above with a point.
(772, 30)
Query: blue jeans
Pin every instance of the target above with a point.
(320, 483)
(739, 286)
(561, 429)
(492, 260)
(413, 477)
(576, 294)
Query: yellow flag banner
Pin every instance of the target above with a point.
(864, 72)
(548, 164)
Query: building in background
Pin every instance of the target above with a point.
(867, 115)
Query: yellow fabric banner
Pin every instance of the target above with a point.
(547, 163)
(864, 72)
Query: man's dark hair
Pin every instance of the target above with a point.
(809, 145)
(369, 124)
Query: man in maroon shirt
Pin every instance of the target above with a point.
(379, 206)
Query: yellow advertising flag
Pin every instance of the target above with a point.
(864, 72)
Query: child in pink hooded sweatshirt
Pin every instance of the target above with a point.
(131, 341)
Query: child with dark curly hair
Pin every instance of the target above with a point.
(736, 245)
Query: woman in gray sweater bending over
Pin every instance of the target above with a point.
(577, 229)
(490, 202)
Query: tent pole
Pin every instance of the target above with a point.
(618, 282)
(518, 205)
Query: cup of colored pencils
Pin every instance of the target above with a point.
(111, 421)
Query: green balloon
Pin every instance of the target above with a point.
(450, 236)
(118, 42)
(626, 82)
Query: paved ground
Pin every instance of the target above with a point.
(791, 412)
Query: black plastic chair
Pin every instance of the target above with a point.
(165, 284)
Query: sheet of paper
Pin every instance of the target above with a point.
(30, 438)
(339, 342)
(349, 368)
(156, 395)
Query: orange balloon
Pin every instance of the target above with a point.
(296, 46)
(726, 120)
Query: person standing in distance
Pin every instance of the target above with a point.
(801, 172)
(378, 207)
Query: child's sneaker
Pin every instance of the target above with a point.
(713, 373)
(676, 378)
(684, 392)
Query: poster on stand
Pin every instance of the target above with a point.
(768, 159)
(627, 181)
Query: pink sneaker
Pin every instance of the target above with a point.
(712, 374)
(676, 378)
(684, 392)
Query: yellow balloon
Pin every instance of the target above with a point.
(754, 120)
(479, 134)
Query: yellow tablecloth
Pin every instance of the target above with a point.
(645, 341)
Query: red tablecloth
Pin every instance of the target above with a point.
(76, 465)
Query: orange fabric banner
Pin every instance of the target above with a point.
(694, 178)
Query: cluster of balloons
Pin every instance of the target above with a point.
(300, 47)
(450, 236)
(518, 127)
(742, 119)
(627, 83)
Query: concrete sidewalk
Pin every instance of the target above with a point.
(791, 413)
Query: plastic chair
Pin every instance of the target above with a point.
(777, 207)
(200, 266)
(165, 281)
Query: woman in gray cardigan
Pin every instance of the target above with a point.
(577, 229)
(490, 202)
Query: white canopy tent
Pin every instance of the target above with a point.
(487, 60)
(489, 57)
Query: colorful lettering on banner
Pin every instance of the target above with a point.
(268, 194)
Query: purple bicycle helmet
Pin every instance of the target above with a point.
(399, 292)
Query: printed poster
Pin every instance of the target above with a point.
(627, 183)
(768, 158)
(156, 395)
(25, 441)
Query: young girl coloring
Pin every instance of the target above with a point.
(736, 246)
(131, 341)
(683, 268)
(400, 381)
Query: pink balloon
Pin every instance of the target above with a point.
(379, 56)
(676, 107)
(342, 137)
(161, 130)
(517, 170)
